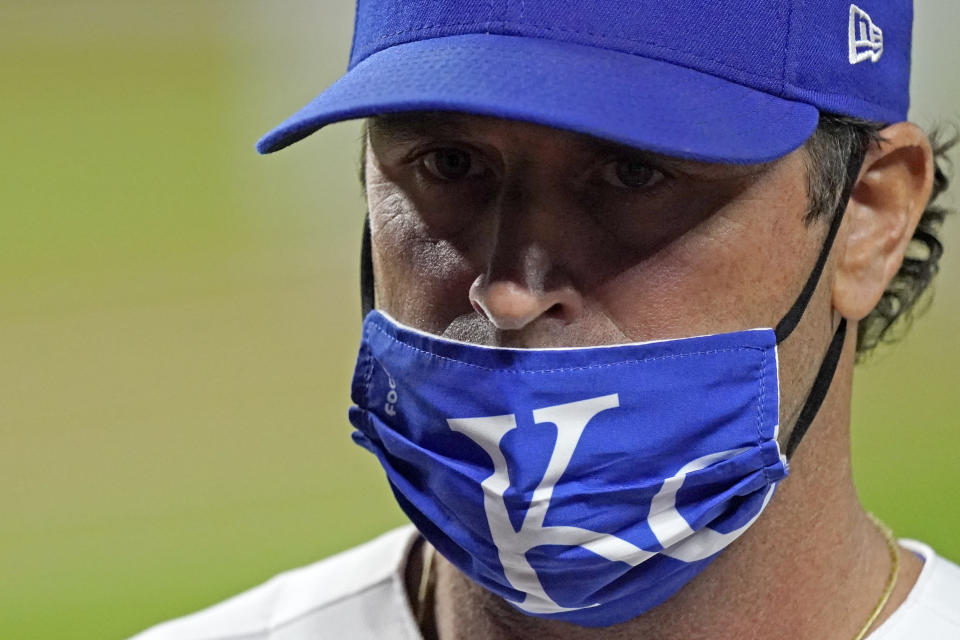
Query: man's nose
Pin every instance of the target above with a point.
(523, 280)
(511, 306)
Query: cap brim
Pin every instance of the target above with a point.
(629, 99)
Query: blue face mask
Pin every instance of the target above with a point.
(583, 484)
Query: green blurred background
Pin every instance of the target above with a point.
(178, 316)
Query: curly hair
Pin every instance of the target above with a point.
(837, 140)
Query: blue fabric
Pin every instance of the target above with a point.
(728, 80)
(566, 519)
(815, 73)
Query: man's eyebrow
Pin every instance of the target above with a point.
(601, 147)
(406, 128)
(402, 128)
(415, 126)
(677, 163)
(611, 148)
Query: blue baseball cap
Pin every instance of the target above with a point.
(737, 81)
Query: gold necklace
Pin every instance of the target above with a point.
(894, 549)
(429, 553)
(426, 572)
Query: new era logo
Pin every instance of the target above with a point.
(866, 38)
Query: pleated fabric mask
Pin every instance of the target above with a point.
(582, 484)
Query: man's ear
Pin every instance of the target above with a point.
(886, 205)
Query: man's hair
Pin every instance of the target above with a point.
(837, 140)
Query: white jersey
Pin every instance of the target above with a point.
(360, 595)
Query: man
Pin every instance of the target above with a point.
(579, 214)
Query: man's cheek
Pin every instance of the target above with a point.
(440, 263)
(420, 280)
(439, 292)
(406, 246)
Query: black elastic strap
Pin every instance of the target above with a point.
(789, 322)
(366, 270)
(821, 385)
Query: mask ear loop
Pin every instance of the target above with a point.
(792, 318)
(818, 392)
(366, 270)
(824, 378)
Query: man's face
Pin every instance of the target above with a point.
(506, 233)
(513, 234)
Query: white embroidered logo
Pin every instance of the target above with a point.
(670, 528)
(390, 406)
(866, 38)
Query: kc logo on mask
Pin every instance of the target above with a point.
(670, 528)
(568, 502)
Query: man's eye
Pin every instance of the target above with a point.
(631, 174)
(451, 164)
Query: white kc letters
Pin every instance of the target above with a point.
(671, 529)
